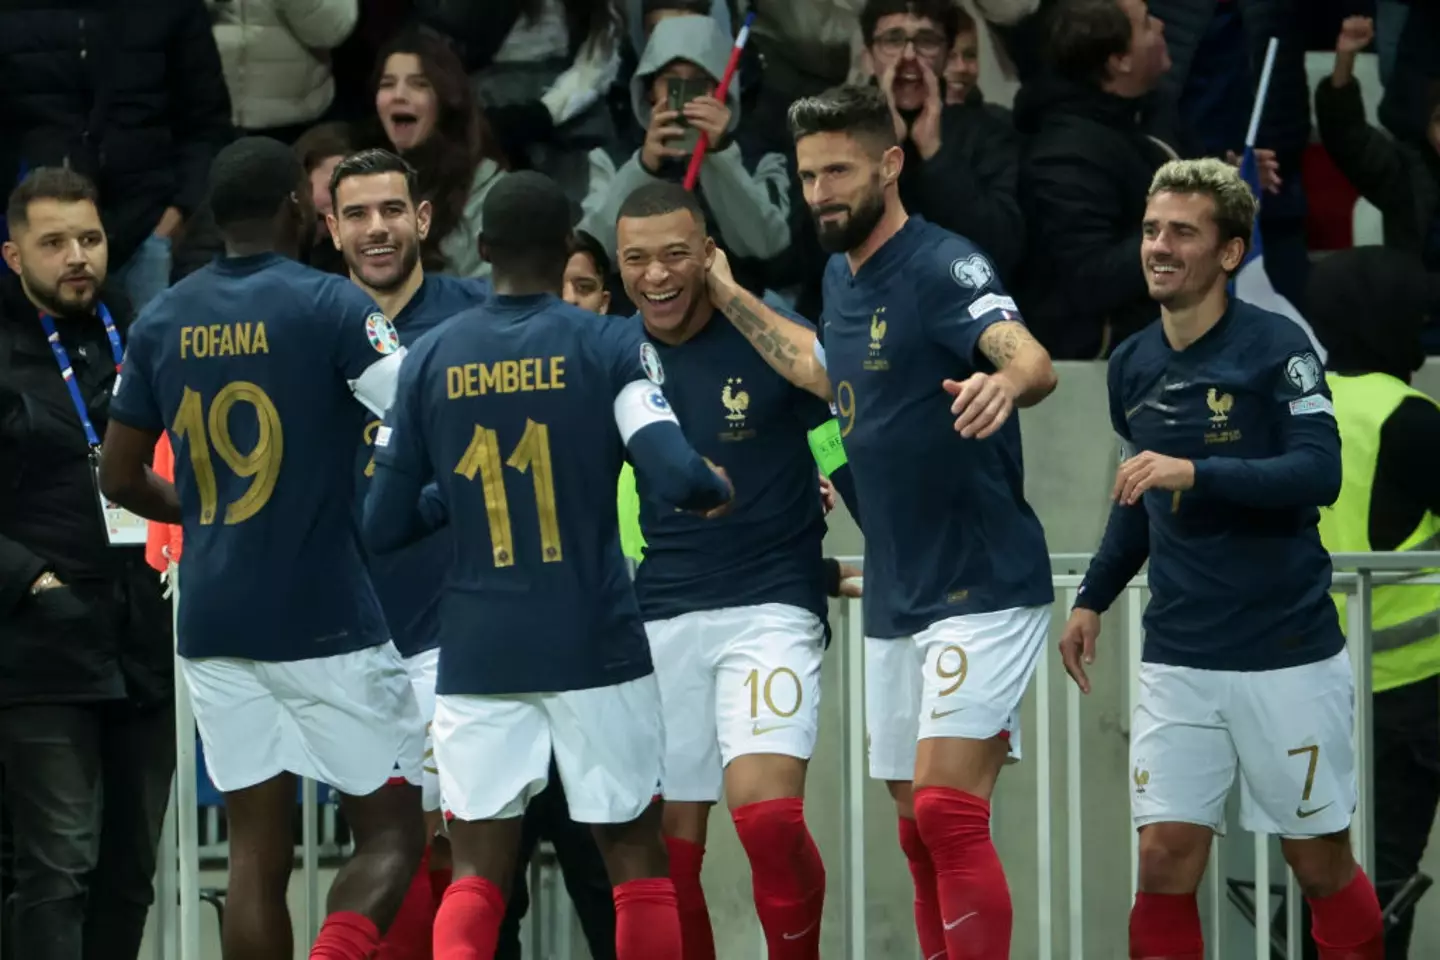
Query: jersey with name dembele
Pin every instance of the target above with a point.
(251, 364)
(948, 531)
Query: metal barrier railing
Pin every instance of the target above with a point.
(1356, 576)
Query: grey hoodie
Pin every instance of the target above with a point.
(751, 210)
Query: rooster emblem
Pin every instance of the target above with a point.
(736, 401)
(877, 330)
(1219, 404)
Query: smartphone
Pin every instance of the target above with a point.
(680, 91)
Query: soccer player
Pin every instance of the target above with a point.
(254, 364)
(734, 608)
(1233, 447)
(377, 227)
(522, 411)
(957, 579)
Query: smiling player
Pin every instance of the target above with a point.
(957, 579)
(1234, 447)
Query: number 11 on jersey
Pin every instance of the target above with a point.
(532, 453)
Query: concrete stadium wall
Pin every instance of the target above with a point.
(1070, 455)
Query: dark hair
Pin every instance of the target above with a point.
(445, 163)
(582, 242)
(1082, 36)
(526, 221)
(48, 183)
(945, 13)
(250, 179)
(323, 141)
(370, 162)
(658, 198)
(699, 8)
(862, 112)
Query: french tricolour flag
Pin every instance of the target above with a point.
(1252, 283)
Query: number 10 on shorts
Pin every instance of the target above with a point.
(788, 681)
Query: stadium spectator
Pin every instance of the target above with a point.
(1085, 172)
(586, 273)
(746, 194)
(136, 103)
(962, 67)
(960, 163)
(1368, 305)
(276, 55)
(320, 149)
(427, 113)
(1400, 178)
(87, 736)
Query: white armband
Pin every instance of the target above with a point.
(376, 385)
(639, 404)
(820, 355)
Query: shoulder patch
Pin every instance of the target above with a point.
(993, 301)
(1303, 371)
(972, 272)
(650, 363)
(382, 333)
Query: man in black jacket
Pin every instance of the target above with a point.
(131, 95)
(87, 744)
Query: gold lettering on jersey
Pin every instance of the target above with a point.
(1220, 405)
(223, 340)
(736, 401)
(505, 376)
(957, 596)
(877, 340)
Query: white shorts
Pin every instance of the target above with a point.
(343, 721)
(962, 677)
(423, 669)
(494, 751)
(1289, 730)
(733, 682)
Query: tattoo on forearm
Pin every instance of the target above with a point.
(1002, 342)
(761, 333)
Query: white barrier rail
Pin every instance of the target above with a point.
(1356, 576)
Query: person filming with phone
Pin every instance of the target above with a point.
(745, 192)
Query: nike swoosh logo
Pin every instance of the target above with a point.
(1303, 814)
(759, 731)
(797, 936)
(941, 714)
(955, 923)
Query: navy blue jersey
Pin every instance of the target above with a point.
(746, 418)
(948, 530)
(1238, 577)
(250, 363)
(516, 411)
(408, 581)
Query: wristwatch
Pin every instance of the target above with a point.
(46, 581)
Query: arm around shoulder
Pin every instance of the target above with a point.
(791, 349)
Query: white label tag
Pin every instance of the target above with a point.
(122, 528)
(992, 301)
(1315, 403)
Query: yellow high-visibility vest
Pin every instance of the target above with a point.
(1405, 620)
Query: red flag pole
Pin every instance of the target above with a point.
(692, 175)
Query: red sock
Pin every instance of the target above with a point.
(439, 880)
(927, 903)
(974, 897)
(685, 861)
(411, 931)
(468, 924)
(647, 922)
(1166, 927)
(786, 875)
(1348, 925)
(346, 936)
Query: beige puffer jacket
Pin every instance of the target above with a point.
(276, 55)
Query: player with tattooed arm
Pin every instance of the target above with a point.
(957, 577)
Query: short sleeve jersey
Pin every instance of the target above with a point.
(509, 408)
(948, 531)
(248, 363)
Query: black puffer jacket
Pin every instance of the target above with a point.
(1285, 124)
(130, 91)
(1084, 174)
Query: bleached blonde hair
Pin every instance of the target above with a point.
(1235, 203)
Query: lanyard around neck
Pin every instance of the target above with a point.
(68, 373)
